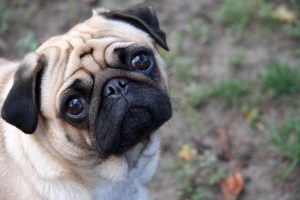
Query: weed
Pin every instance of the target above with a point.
(196, 94)
(193, 117)
(281, 79)
(236, 60)
(180, 67)
(296, 52)
(265, 11)
(295, 3)
(176, 39)
(199, 30)
(27, 43)
(196, 176)
(230, 91)
(287, 139)
(236, 14)
(293, 30)
(4, 19)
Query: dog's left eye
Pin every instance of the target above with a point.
(142, 61)
(75, 106)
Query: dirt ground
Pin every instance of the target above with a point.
(260, 163)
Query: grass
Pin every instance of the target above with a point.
(295, 3)
(27, 43)
(200, 30)
(281, 79)
(236, 60)
(230, 91)
(4, 19)
(236, 14)
(196, 176)
(196, 94)
(293, 30)
(193, 117)
(296, 52)
(287, 139)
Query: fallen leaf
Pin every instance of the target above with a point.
(223, 146)
(283, 14)
(187, 153)
(232, 186)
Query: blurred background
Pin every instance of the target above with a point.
(234, 69)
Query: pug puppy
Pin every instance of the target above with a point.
(79, 115)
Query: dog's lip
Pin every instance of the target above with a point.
(137, 109)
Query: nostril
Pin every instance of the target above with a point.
(123, 83)
(115, 87)
(110, 90)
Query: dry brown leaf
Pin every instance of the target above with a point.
(283, 14)
(223, 146)
(187, 153)
(232, 186)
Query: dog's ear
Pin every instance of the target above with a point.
(21, 106)
(143, 17)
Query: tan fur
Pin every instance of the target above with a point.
(44, 165)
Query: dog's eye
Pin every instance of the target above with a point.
(141, 61)
(75, 106)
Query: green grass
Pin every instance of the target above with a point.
(236, 14)
(236, 60)
(295, 3)
(287, 139)
(281, 79)
(27, 43)
(296, 52)
(196, 94)
(293, 30)
(196, 177)
(193, 117)
(231, 91)
(200, 30)
(4, 19)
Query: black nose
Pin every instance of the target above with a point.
(115, 87)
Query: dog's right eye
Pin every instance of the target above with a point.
(75, 107)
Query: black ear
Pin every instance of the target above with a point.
(21, 105)
(143, 17)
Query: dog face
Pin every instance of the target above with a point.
(99, 89)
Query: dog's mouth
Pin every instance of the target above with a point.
(130, 118)
(136, 126)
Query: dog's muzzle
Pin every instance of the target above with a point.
(130, 112)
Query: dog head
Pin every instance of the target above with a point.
(101, 88)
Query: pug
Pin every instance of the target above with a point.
(79, 115)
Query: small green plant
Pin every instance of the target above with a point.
(265, 11)
(4, 19)
(192, 117)
(196, 94)
(296, 52)
(236, 60)
(27, 43)
(293, 30)
(236, 14)
(199, 30)
(287, 139)
(197, 175)
(180, 66)
(281, 79)
(295, 3)
(231, 92)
